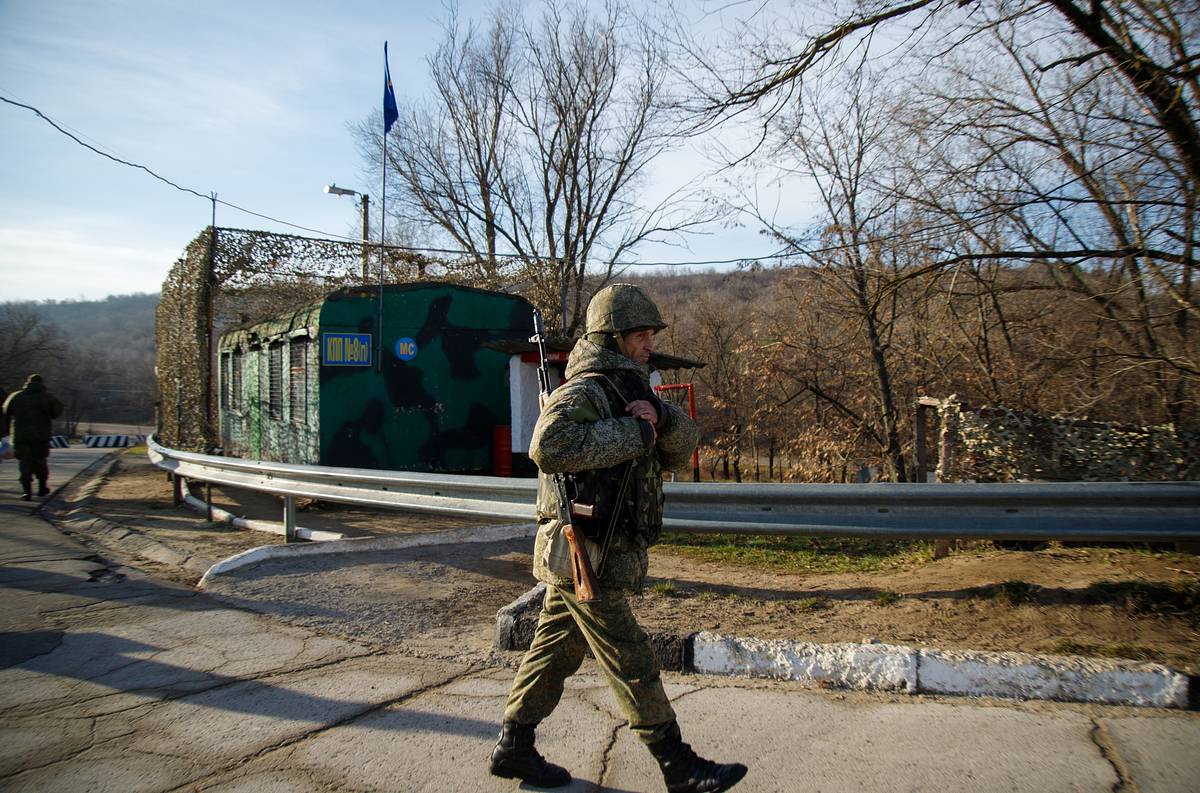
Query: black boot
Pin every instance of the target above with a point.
(686, 772)
(26, 490)
(42, 489)
(514, 756)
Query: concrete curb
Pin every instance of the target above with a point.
(69, 509)
(974, 673)
(887, 667)
(357, 545)
(1068, 678)
(883, 667)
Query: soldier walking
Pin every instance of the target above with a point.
(607, 428)
(30, 412)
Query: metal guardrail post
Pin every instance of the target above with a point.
(941, 547)
(176, 489)
(289, 519)
(208, 500)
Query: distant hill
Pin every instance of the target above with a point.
(96, 355)
(122, 320)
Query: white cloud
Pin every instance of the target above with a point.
(62, 265)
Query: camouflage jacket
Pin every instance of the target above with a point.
(31, 412)
(579, 430)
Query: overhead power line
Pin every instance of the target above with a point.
(90, 147)
(161, 178)
(795, 247)
(212, 197)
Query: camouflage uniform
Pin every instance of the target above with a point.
(31, 412)
(584, 427)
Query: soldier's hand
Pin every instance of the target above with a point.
(643, 409)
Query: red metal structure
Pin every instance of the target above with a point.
(691, 393)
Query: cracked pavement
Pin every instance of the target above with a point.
(112, 680)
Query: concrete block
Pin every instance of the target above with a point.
(861, 666)
(1066, 678)
(516, 622)
(672, 651)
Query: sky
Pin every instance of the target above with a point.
(250, 99)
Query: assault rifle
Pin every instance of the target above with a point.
(587, 588)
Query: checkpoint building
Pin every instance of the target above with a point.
(450, 385)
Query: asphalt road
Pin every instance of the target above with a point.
(110, 680)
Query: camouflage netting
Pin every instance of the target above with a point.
(994, 444)
(233, 277)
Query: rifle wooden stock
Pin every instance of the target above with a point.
(587, 588)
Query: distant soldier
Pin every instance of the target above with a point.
(606, 427)
(30, 413)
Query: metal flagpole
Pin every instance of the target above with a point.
(390, 115)
(382, 226)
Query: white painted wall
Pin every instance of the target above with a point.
(523, 394)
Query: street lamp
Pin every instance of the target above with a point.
(333, 189)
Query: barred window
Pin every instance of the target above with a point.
(298, 379)
(237, 394)
(275, 380)
(258, 400)
(226, 386)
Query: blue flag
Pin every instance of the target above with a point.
(390, 113)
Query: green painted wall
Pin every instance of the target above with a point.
(247, 430)
(430, 407)
(433, 406)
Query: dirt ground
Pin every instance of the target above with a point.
(1118, 602)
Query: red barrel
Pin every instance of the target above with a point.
(501, 450)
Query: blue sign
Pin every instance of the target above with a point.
(346, 349)
(406, 349)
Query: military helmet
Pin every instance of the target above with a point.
(621, 307)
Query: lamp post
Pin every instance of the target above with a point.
(333, 189)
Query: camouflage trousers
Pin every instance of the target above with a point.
(622, 651)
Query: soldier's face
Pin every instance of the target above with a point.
(637, 345)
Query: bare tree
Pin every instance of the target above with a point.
(534, 145)
(841, 142)
(1033, 160)
(1055, 140)
(25, 341)
(1148, 45)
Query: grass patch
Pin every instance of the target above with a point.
(666, 589)
(886, 597)
(1132, 652)
(809, 604)
(1009, 593)
(800, 554)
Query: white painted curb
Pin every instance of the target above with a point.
(1059, 677)
(861, 666)
(357, 545)
(958, 672)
